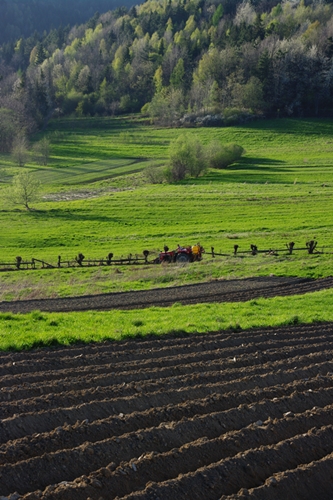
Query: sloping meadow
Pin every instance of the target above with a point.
(280, 191)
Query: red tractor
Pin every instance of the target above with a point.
(181, 254)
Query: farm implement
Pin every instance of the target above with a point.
(181, 255)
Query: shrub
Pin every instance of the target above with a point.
(187, 157)
(221, 156)
(154, 174)
(235, 116)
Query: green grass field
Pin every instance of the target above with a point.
(280, 191)
(95, 200)
(38, 329)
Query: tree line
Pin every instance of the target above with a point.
(176, 61)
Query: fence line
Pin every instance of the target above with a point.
(80, 261)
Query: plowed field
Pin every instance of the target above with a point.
(224, 415)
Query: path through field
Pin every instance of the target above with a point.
(237, 290)
(221, 415)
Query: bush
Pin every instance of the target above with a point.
(235, 116)
(187, 158)
(154, 174)
(219, 156)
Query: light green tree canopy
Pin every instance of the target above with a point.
(23, 190)
(186, 157)
(20, 153)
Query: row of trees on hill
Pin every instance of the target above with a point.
(173, 58)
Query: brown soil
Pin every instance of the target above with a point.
(215, 291)
(225, 415)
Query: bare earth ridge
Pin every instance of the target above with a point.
(237, 290)
(224, 415)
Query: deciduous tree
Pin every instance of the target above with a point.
(23, 190)
(20, 152)
(41, 151)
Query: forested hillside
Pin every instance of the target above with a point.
(229, 58)
(22, 17)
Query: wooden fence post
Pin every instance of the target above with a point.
(254, 249)
(311, 245)
(290, 247)
(79, 259)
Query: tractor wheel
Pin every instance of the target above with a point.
(166, 259)
(183, 258)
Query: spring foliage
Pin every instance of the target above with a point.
(189, 157)
(23, 190)
(170, 58)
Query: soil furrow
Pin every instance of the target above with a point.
(91, 456)
(194, 350)
(55, 395)
(124, 353)
(74, 397)
(22, 424)
(171, 416)
(145, 380)
(306, 479)
(70, 436)
(231, 379)
(159, 467)
(120, 371)
(246, 468)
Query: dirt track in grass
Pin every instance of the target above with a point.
(225, 415)
(236, 290)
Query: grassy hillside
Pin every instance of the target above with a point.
(281, 191)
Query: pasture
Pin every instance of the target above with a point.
(95, 200)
